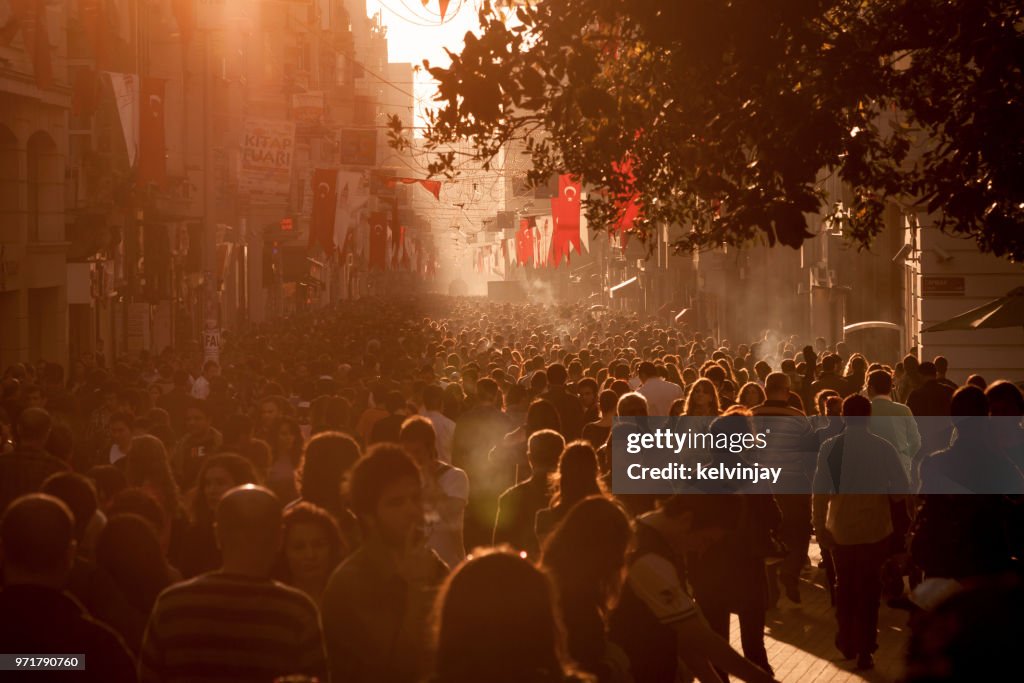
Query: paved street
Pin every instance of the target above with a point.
(800, 637)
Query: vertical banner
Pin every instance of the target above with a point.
(126, 97)
(565, 210)
(544, 232)
(378, 247)
(266, 161)
(152, 145)
(325, 207)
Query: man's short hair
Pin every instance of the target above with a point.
(880, 382)
(33, 424)
(78, 493)
(941, 364)
(384, 465)
(647, 369)
(828, 363)
(606, 401)
(544, 448)
(487, 389)
(928, 369)
(418, 429)
(36, 532)
(587, 383)
(968, 401)
(856, 406)
(776, 383)
(557, 374)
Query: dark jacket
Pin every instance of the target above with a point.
(24, 471)
(40, 620)
(570, 411)
(517, 512)
(931, 398)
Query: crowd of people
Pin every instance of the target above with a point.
(420, 491)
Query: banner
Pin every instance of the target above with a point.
(524, 242)
(126, 98)
(378, 253)
(266, 161)
(358, 147)
(542, 238)
(152, 147)
(566, 213)
(325, 206)
(308, 107)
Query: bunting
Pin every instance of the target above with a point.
(431, 186)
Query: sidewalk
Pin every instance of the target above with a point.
(799, 638)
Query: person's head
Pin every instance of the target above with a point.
(879, 383)
(578, 473)
(911, 364)
(702, 399)
(1004, 399)
(218, 474)
(326, 460)
(148, 467)
(394, 402)
(586, 551)
(856, 410)
(606, 402)
(977, 381)
(34, 397)
(557, 374)
(120, 426)
(501, 635)
(927, 370)
(197, 418)
(941, 366)
(433, 397)
(248, 529)
(777, 386)
(968, 402)
(37, 541)
(288, 439)
(271, 410)
(543, 449)
(312, 546)
(542, 414)
(751, 395)
(329, 413)
(487, 391)
(32, 428)
(77, 492)
(828, 363)
(631, 404)
(762, 370)
(128, 550)
(587, 390)
(211, 369)
(386, 493)
(646, 371)
(419, 439)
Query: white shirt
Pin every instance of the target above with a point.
(201, 387)
(660, 395)
(445, 528)
(444, 430)
(116, 453)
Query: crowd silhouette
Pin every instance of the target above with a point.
(421, 491)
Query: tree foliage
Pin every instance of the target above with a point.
(730, 112)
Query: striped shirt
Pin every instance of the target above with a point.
(227, 627)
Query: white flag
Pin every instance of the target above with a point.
(126, 96)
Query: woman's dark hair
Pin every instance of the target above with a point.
(585, 552)
(542, 414)
(578, 474)
(128, 549)
(307, 513)
(326, 459)
(292, 425)
(383, 465)
(147, 462)
(501, 636)
(241, 472)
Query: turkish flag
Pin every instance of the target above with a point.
(378, 241)
(627, 206)
(524, 242)
(325, 205)
(152, 148)
(565, 210)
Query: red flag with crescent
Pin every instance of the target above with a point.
(378, 241)
(325, 204)
(524, 242)
(565, 211)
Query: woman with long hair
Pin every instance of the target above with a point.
(578, 476)
(217, 475)
(702, 401)
(585, 556)
(311, 549)
(511, 452)
(128, 550)
(856, 374)
(287, 453)
(496, 622)
(147, 467)
(751, 395)
(320, 476)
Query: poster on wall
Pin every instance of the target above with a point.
(265, 171)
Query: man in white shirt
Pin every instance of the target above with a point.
(660, 394)
(444, 427)
(201, 387)
(445, 491)
(891, 420)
